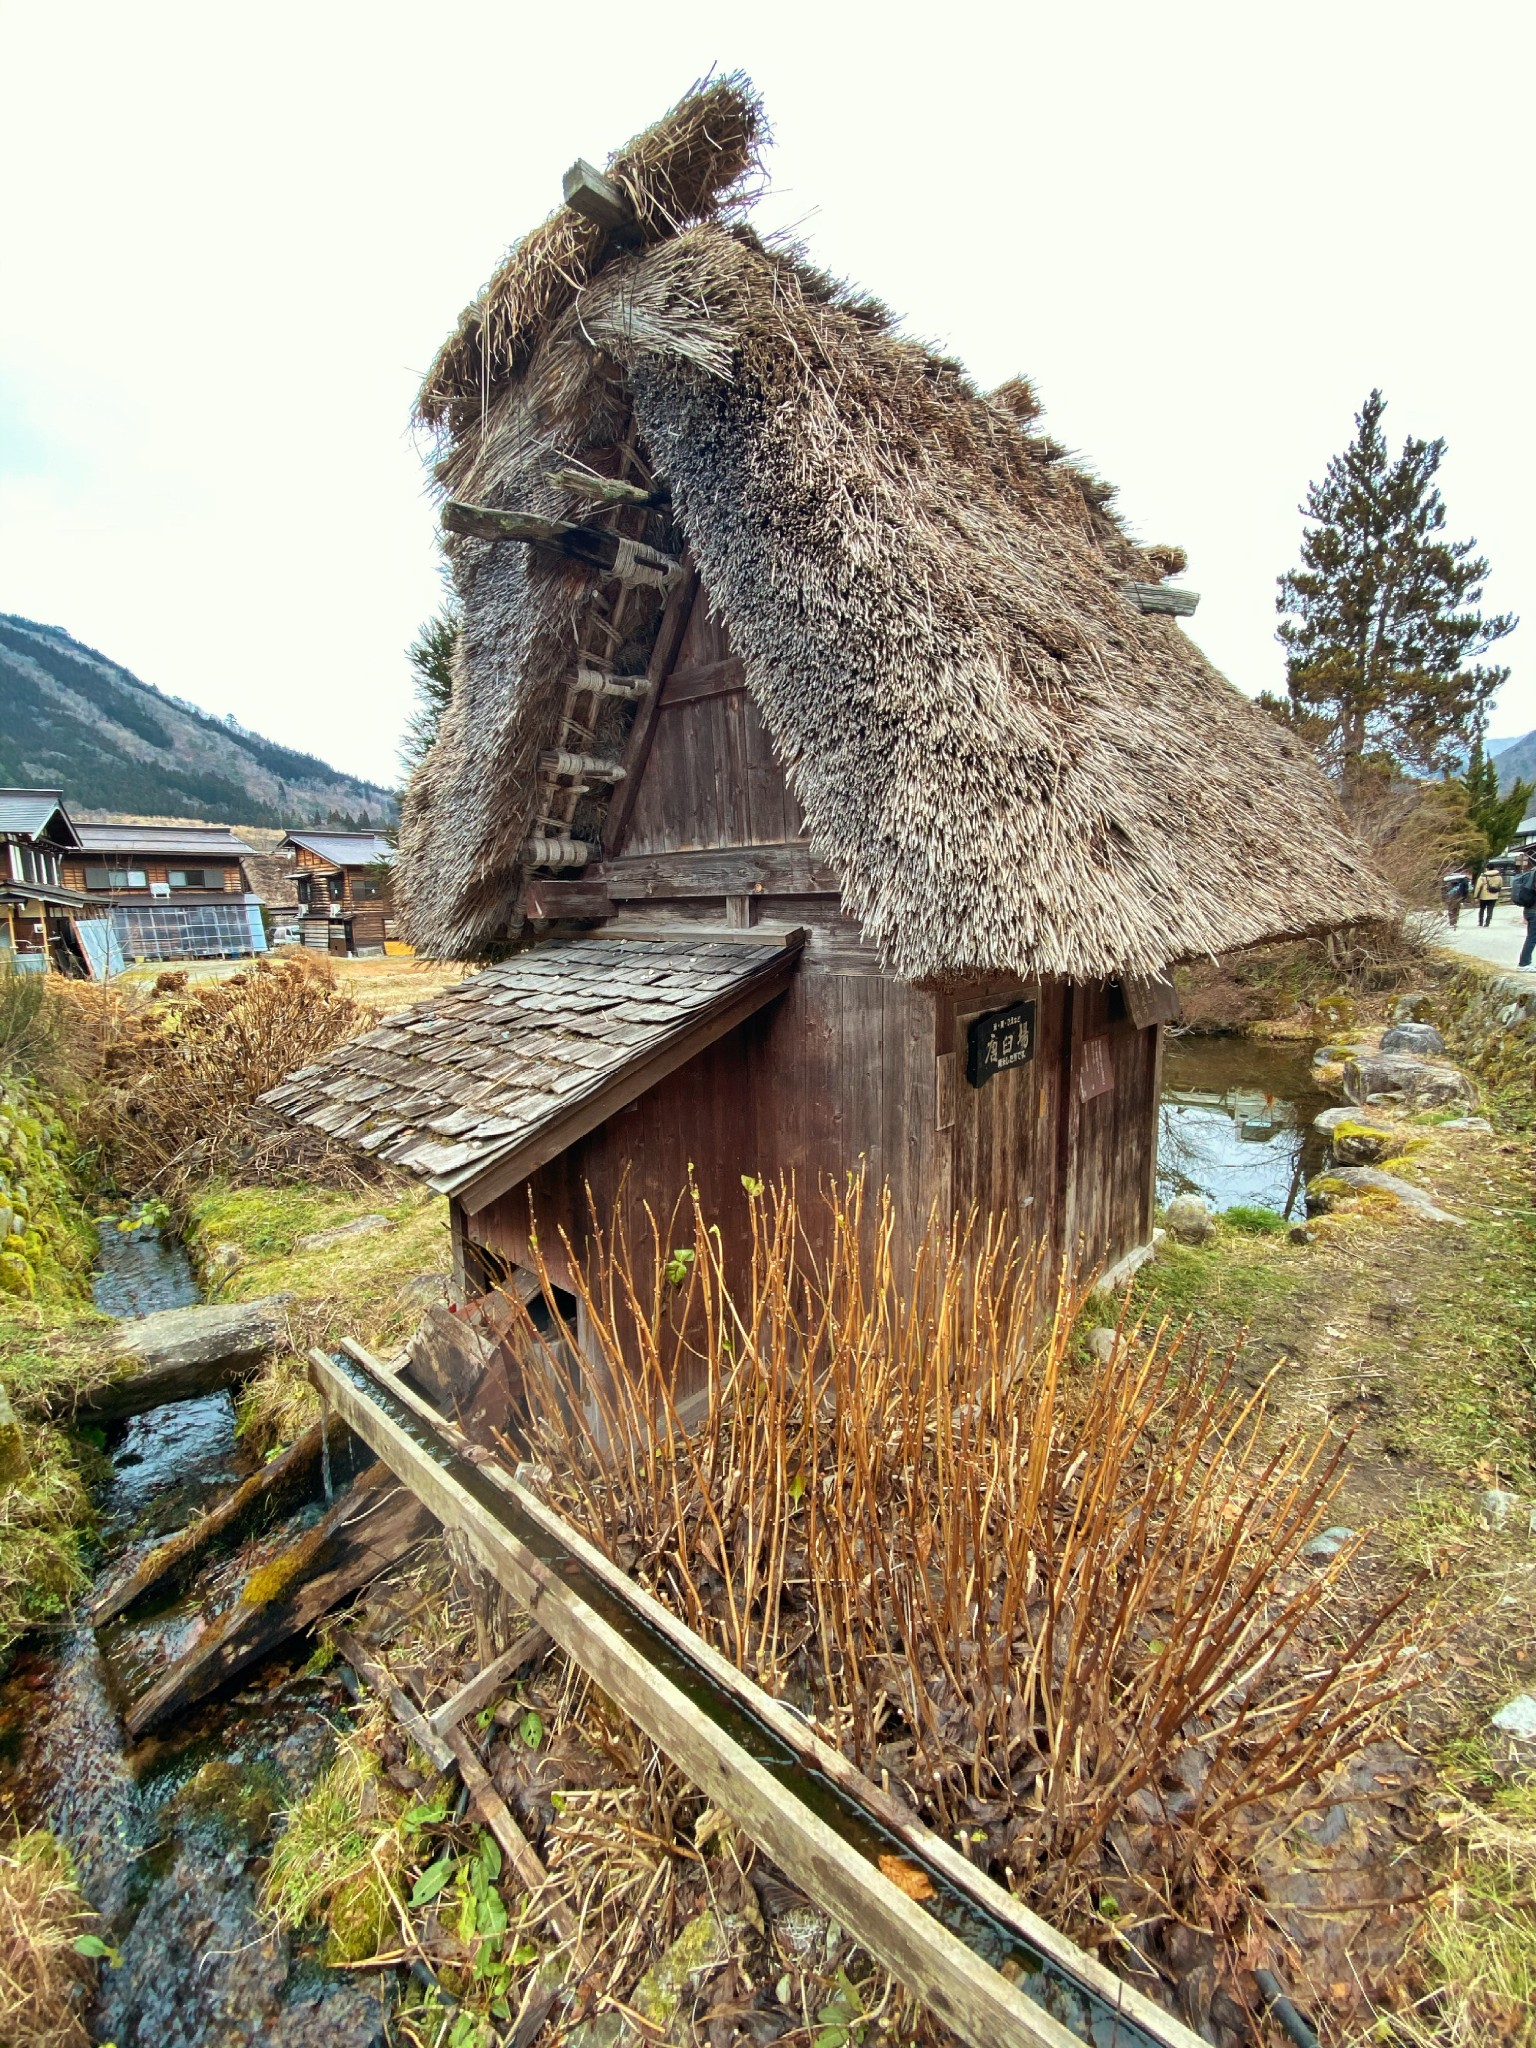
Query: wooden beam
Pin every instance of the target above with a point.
(1158, 597)
(480, 1690)
(749, 1754)
(548, 896)
(595, 197)
(788, 870)
(551, 852)
(267, 1491)
(593, 546)
(481, 1184)
(712, 679)
(371, 1525)
(669, 637)
(426, 1738)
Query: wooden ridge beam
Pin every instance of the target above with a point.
(756, 1761)
(597, 198)
(593, 546)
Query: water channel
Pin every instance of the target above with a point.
(1236, 1123)
(166, 1832)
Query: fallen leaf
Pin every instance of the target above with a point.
(906, 1877)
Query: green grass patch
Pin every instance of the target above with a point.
(1254, 1222)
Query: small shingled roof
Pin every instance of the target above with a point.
(27, 813)
(127, 836)
(344, 849)
(515, 1063)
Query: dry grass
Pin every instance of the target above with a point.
(44, 1980)
(1065, 1613)
(179, 1078)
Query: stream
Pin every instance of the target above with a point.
(167, 1834)
(1236, 1123)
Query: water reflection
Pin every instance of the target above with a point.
(1236, 1123)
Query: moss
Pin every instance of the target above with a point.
(271, 1580)
(234, 1803)
(338, 1855)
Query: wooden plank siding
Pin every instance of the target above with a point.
(710, 777)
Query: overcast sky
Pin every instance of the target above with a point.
(232, 239)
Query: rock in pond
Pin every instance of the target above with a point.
(1329, 1189)
(180, 1353)
(1422, 1085)
(1422, 1039)
(1189, 1218)
(1358, 1139)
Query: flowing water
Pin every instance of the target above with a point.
(167, 1833)
(1236, 1123)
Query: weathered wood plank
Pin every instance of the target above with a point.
(674, 624)
(269, 1491)
(373, 1523)
(593, 546)
(782, 870)
(716, 679)
(980, 2003)
(548, 896)
(479, 1691)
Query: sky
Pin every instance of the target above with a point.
(231, 240)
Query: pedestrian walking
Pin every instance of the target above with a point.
(1455, 888)
(1522, 893)
(1486, 892)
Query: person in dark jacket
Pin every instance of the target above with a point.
(1522, 893)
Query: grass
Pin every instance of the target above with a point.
(45, 1978)
(361, 1286)
(340, 1854)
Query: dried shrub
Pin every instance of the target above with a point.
(44, 1980)
(180, 1079)
(1065, 1612)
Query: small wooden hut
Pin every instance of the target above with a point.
(824, 756)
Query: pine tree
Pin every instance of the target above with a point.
(1497, 817)
(1380, 624)
(431, 656)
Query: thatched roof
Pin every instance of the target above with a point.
(1006, 763)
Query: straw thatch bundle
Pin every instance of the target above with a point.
(1009, 767)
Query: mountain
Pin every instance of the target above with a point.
(71, 719)
(1516, 761)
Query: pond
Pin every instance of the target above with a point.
(1236, 1123)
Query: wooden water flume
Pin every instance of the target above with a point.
(990, 1969)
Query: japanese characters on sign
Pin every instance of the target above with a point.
(999, 1040)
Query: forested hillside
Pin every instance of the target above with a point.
(1516, 762)
(73, 720)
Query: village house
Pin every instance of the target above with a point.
(40, 915)
(342, 884)
(825, 758)
(174, 891)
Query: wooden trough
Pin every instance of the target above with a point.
(985, 1965)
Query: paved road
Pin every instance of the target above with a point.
(1496, 945)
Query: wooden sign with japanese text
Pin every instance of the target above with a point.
(999, 1040)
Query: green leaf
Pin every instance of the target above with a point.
(490, 1855)
(431, 1881)
(797, 1488)
(676, 1268)
(485, 1717)
(753, 1186)
(531, 1729)
(830, 2037)
(491, 1915)
(469, 1914)
(100, 1951)
(524, 1954)
(423, 1816)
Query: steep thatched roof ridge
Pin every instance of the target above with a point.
(685, 166)
(1008, 765)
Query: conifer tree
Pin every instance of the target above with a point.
(1380, 624)
(1496, 816)
(431, 656)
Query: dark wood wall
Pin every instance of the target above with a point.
(710, 778)
(849, 1066)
